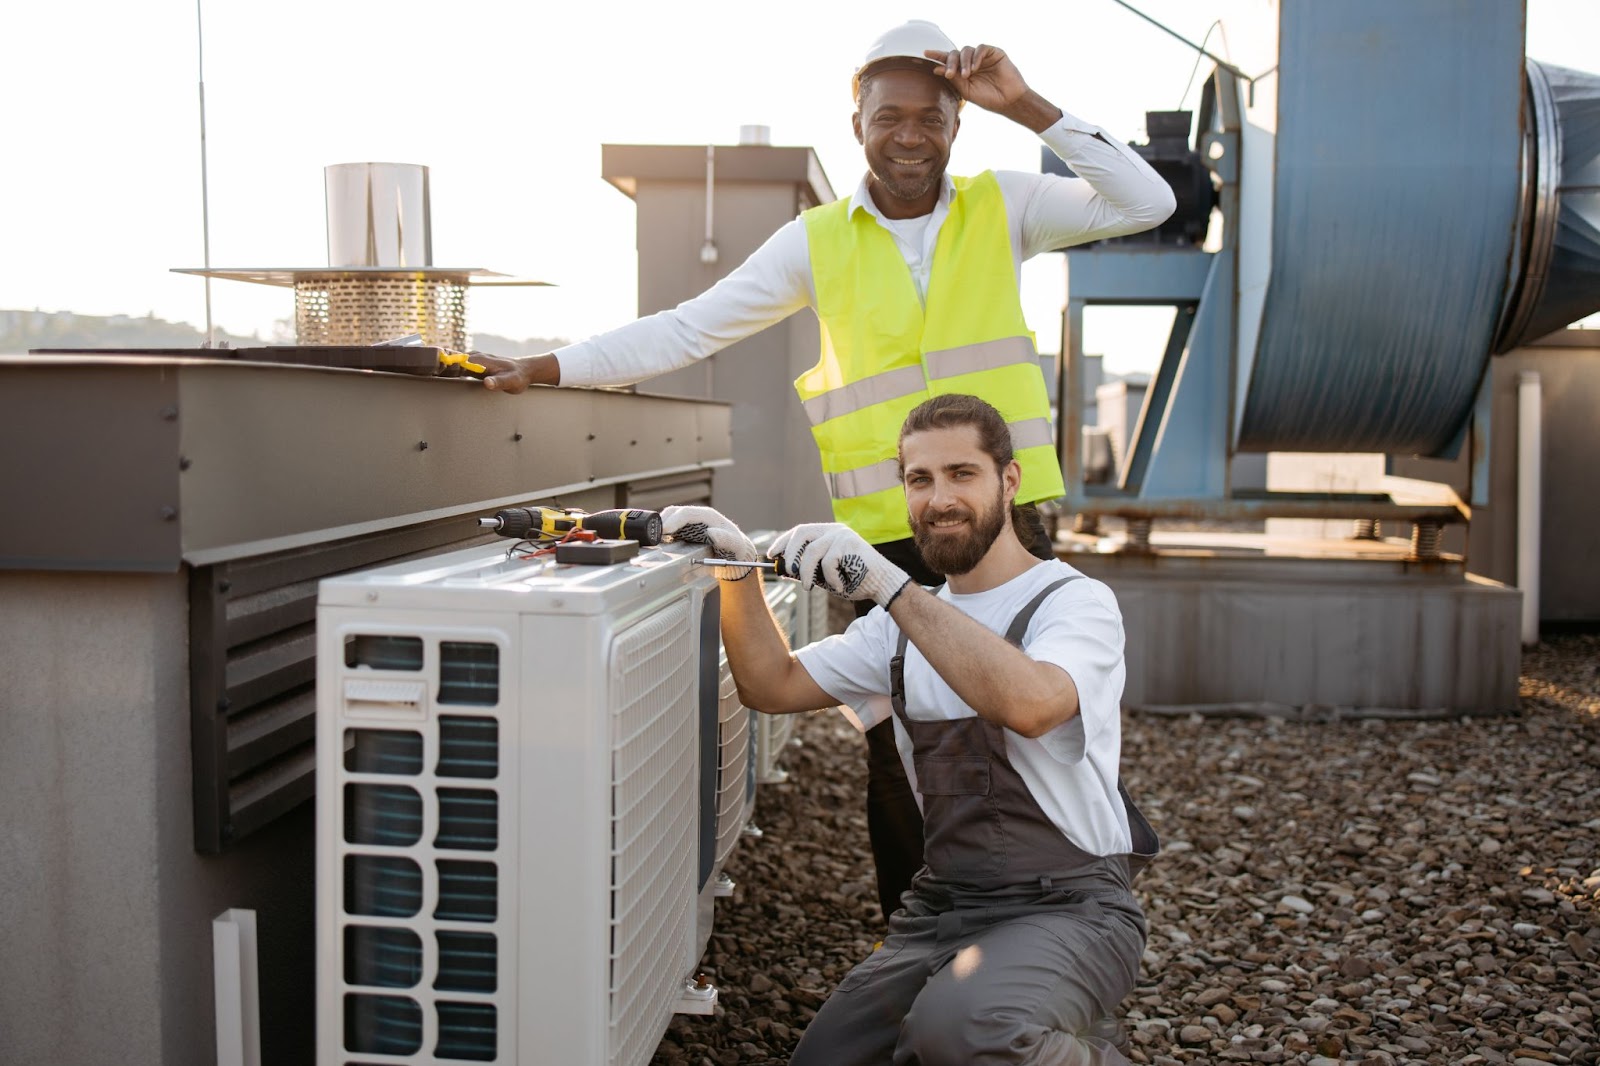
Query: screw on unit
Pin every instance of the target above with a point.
(169, 414)
(516, 436)
(422, 445)
(225, 585)
(169, 513)
(184, 462)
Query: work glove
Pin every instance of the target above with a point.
(702, 525)
(837, 558)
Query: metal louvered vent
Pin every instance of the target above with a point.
(253, 669)
(653, 670)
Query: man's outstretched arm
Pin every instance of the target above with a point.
(769, 286)
(768, 677)
(993, 677)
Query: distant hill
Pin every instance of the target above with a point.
(24, 330)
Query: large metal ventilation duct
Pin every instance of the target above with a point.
(1424, 211)
(1560, 231)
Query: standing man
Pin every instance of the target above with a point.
(915, 282)
(1021, 934)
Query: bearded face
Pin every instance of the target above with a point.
(955, 539)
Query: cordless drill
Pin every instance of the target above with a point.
(553, 523)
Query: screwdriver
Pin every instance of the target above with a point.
(763, 564)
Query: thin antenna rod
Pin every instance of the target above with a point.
(205, 205)
(1223, 63)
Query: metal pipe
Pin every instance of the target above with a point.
(708, 250)
(205, 185)
(1529, 477)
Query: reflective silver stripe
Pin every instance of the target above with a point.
(1031, 433)
(971, 358)
(889, 385)
(864, 480)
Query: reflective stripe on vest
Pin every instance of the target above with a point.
(883, 353)
(880, 476)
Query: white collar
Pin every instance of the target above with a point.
(862, 199)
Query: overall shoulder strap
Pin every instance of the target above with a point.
(1019, 624)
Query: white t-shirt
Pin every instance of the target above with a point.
(1071, 770)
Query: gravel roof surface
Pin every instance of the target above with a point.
(1369, 891)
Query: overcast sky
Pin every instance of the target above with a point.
(508, 104)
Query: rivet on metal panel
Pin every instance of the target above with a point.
(184, 462)
(591, 436)
(169, 414)
(516, 436)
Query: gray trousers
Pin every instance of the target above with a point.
(984, 986)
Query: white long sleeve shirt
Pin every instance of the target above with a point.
(1119, 194)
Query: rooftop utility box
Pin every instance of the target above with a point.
(702, 210)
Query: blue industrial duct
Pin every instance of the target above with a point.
(1419, 196)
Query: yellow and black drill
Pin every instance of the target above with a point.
(554, 523)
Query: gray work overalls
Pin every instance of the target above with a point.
(1013, 945)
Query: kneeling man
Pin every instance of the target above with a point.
(1021, 933)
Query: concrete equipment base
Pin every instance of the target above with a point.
(1241, 628)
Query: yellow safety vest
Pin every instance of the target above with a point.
(883, 353)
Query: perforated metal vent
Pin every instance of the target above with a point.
(355, 309)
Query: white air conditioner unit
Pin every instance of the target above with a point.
(528, 776)
(802, 614)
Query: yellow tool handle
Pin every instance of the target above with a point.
(461, 359)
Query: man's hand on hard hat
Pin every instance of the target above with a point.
(986, 76)
(515, 375)
(836, 557)
(702, 525)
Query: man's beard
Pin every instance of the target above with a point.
(955, 554)
(903, 190)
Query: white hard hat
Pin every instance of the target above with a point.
(907, 41)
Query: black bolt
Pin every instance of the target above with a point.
(223, 703)
(169, 414)
(669, 440)
(591, 436)
(422, 445)
(184, 462)
(225, 585)
(631, 443)
(516, 436)
(169, 513)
